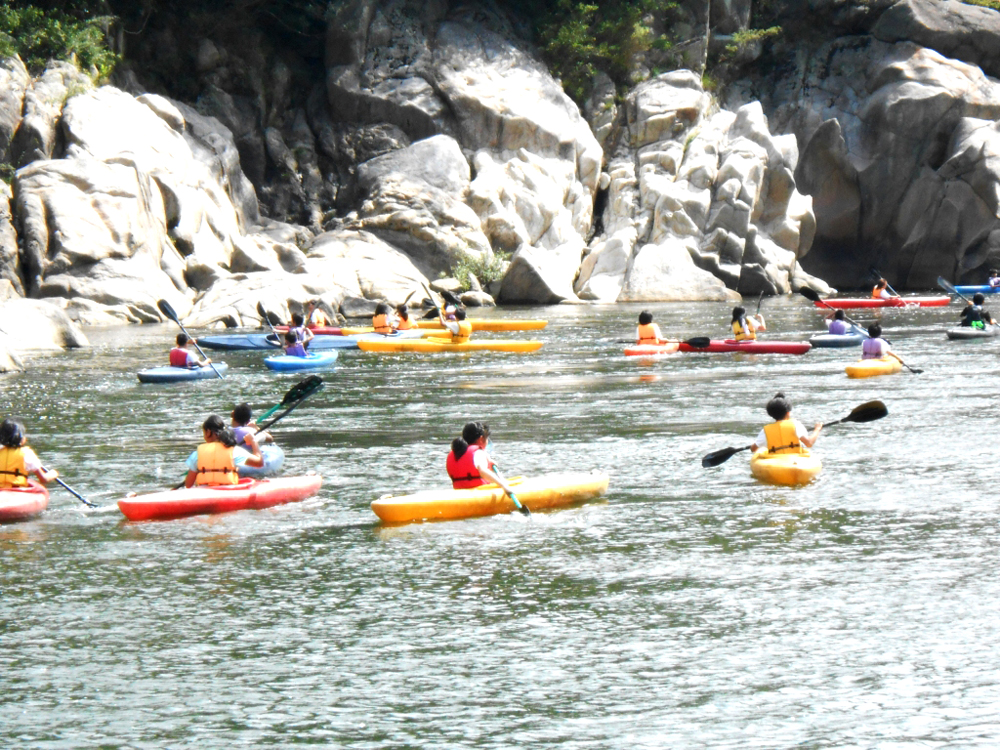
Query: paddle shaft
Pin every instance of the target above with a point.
(166, 308)
(517, 503)
(73, 492)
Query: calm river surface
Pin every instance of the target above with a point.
(689, 608)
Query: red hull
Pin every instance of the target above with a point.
(248, 494)
(849, 303)
(318, 330)
(21, 503)
(754, 347)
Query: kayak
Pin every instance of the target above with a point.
(754, 347)
(869, 368)
(274, 457)
(444, 345)
(318, 330)
(535, 493)
(21, 503)
(268, 341)
(854, 336)
(312, 361)
(177, 374)
(652, 350)
(964, 333)
(983, 289)
(785, 468)
(237, 341)
(846, 303)
(248, 494)
(492, 325)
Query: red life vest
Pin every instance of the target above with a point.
(178, 357)
(463, 471)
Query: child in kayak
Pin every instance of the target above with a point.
(182, 356)
(745, 326)
(314, 315)
(882, 291)
(784, 435)
(382, 320)
(460, 328)
(994, 279)
(403, 319)
(17, 460)
(245, 429)
(292, 346)
(647, 332)
(837, 323)
(469, 463)
(298, 327)
(974, 316)
(214, 462)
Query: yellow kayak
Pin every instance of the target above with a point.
(869, 368)
(784, 468)
(492, 325)
(535, 493)
(356, 330)
(445, 345)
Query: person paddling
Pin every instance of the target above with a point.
(974, 316)
(648, 332)
(837, 323)
(882, 291)
(298, 327)
(469, 463)
(17, 460)
(404, 322)
(182, 355)
(214, 462)
(314, 315)
(994, 279)
(292, 346)
(245, 429)
(784, 435)
(382, 321)
(745, 326)
(460, 328)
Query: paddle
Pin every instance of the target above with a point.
(167, 310)
(297, 392)
(878, 275)
(867, 412)
(813, 296)
(266, 317)
(951, 289)
(760, 298)
(311, 384)
(517, 503)
(914, 370)
(73, 492)
(698, 342)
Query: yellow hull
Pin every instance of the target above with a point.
(437, 331)
(441, 345)
(785, 468)
(535, 493)
(869, 368)
(497, 325)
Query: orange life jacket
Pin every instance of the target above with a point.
(744, 334)
(463, 471)
(406, 324)
(782, 438)
(464, 332)
(12, 473)
(381, 324)
(877, 293)
(215, 465)
(647, 334)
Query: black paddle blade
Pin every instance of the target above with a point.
(720, 457)
(267, 316)
(303, 389)
(941, 282)
(810, 294)
(167, 310)
(868, 412)
(451, 298)
(698, 342)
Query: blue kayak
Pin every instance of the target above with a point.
(984, 288)
(235, 341)
(853, 337)
(312, 361)
(264, 341)
(274, 457)
(178, 374)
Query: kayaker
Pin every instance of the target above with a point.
(214, 461)
(784, 435)
(245, 429)
(875, 347)
(837, 323)
(381, 321)
(460, 328)
(292, 346)
(298, 327)
(17, 460)
(882, 291)
(183, 356)
(648, 332)
(994, 279)
(404, 323)
(314, 315)
(974, 316)
(469, 463)
(745, 326)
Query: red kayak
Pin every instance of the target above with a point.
(848, 303)
(318, 330)
(19, 503)
(754, 347)
(248, 494)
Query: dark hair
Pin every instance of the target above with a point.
(738, 312)
(403, 312)
(297, 319)
(778, 407)
(645, 317)
(460, 313)
(182, 339)
(382, 309)
(242, 413)
(839, 315)
(217, 427)
(11, 433)
(290, 337)
(978, 298)
(459, 447)
(993, 272)
(475, 430)
(874, 331)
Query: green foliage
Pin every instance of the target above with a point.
(485, 269)
(745, 37)
(7, 172)
(40, 34)
(992, 4)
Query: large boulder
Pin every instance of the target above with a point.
(14, 82)
(28, 325)
(35, 137)
(10, 259)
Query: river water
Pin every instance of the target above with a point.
(688, 608)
